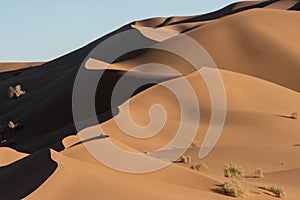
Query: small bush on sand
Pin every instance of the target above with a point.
(277, 191)
(233, 189)
(233, 171)
(15, 91)
(258, 173)
(195, 143)
(294, 115)
(7, 143)
(12, 125)
(186, 159)
(11, 92)
(200, 167)
(3, 141)
(189, 159)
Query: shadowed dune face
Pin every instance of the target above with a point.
(255, 46)
(22, 177)
(295, 7)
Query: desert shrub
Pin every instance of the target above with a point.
(233, 189)
(277, 191)
(195, 143)
(7, 143)
(185, 159)
(3, 141)
(233, 171)
(189, 159)
(11, 92)
(13, 125)
(294, 115)
(258, 173)
(200, 167)
(19, 92)
(15, 91)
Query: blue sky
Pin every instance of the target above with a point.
(41, 30)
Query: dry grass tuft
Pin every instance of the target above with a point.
(233, 189)
(15, 92)
(232, 170)
(12, 125)
(294, 115)
(186, 159)
(258, 173)
(195, 144)
(200, 167)
(277, 191)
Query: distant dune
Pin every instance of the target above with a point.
(15, 66)
(255, 45)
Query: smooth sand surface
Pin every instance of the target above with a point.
(255, 46)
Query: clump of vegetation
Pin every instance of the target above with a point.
(15, 92)
(294, 115)
(3, 141)
(12, 125)
(277, 191)
(232, 170)
(189, 159)
(7, 143)
(200, 167)
(233, 189)
(186, 159)
(11, 92)
(195, 143)
(258, 173)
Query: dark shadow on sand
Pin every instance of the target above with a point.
(295, 7)
(24, 176)
(284, 116)
(100, 137)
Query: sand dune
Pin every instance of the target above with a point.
(93, 178)
(246, 44)
(9, 156)
(255, 46)
(15, 66)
